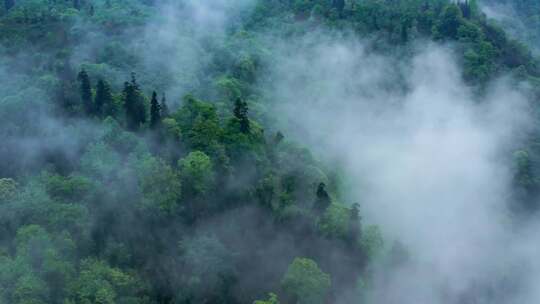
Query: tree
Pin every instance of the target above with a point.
(134, 105)
(8, 188)
(100, 283)
(159, 184)
(354, 231)
(241, 113)
(450, 21)
(104, 101)
(210, 268)
(197, 172)
(163, 106)
(305, 282)
(155, 112)
(272, 299)
(334, 222)
(323, 200)
(86, 91)
(372, 242)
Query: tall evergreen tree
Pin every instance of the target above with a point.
(134, 105)
(323, 199)
(86, 91)
(241, 113)
(354, 229)
(155, 112)
(103, 102)
(164, 107)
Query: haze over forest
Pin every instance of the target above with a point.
(269, 151)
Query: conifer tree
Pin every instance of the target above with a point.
(323, 199)
(155, 112)
(164, 107)
(240, 112)
(86, 91)
(103, 102)
(354, 223)
(134, 105)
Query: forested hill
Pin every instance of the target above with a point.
(143, 158)
(521, 18)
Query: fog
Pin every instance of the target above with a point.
(429, 161)
(428, 158)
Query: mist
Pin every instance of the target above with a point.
(428, 157)
(428, 161)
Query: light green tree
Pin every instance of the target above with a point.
(306, 282)
(197, 172)
(272, 299)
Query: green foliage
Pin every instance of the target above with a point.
(104, 100)
(86, 92)
(200, 124)
(306, 282)
(372, 242)
(197, 172)
(210, 267)
(8, 188)
(100, 283)
(134, 105)
(92, 219)
(159, 184)
(272, 299)
(334, 222)
(451, 20)
(100, 161)
(155, 111)
(241, 114)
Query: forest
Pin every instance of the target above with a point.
(269, 151)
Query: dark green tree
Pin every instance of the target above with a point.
(134, 105)
(450, 21)
(164, 108)
(103, 101)
(354, 231)
(241, 113)
(155, 112)
(323, 200)
(86, 91)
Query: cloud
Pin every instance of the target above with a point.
(428, 157)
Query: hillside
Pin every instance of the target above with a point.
(266, 151)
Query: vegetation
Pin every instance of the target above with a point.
(205, 201)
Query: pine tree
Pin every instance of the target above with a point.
(134, 105)
(354, 229)
(86, 91)
(323, 199)
(103, 101)
(164, 107)
(241, 113)
(155, 112)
